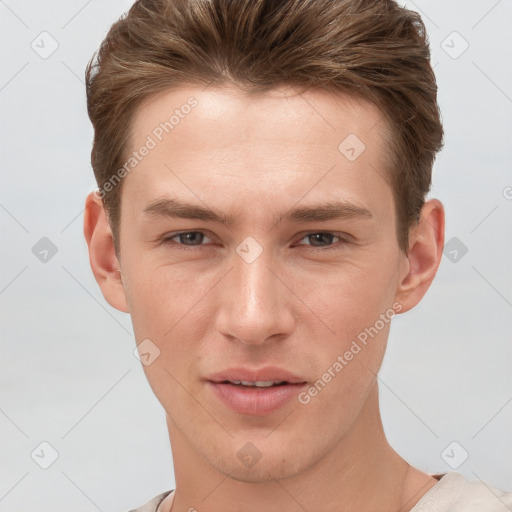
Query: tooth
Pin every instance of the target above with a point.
(260, 383)
(264, 384)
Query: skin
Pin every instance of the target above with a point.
(298, 305)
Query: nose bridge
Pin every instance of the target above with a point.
(255, 290)
(254, 305)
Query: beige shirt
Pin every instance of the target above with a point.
(453, 493)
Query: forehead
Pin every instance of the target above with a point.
(278, 142)
(238, 113)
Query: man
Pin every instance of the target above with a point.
(262, 170)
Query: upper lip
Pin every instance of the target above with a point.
(265, 374)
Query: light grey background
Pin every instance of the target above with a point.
(68, 373)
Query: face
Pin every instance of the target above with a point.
(260, 232)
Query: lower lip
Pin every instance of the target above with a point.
(254, 401)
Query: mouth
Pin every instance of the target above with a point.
(256, 384)
(255, 398)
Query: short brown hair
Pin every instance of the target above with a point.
(373, 49)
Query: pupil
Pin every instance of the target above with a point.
(191, 237)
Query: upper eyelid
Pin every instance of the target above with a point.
(333, 233)
(168, 236)
(341, 235)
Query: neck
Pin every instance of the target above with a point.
(362, 472)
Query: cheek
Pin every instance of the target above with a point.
(164, 306)
(356, 306)
(161, 297)
(169, 308)
(348, 299)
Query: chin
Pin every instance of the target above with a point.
(272, 464)
(264, 472)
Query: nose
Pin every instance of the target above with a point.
(256, 306)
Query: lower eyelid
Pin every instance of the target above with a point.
(340, 239)
(171, 238)
(334, 235)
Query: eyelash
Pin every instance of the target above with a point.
(167, 240)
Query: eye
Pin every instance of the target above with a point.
(322, 239)
(187, 238)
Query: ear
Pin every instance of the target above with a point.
(426, 241)
(104, 263)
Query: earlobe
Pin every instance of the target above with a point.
(102, 257)
(426, 240)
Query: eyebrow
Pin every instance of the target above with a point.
(171, 207)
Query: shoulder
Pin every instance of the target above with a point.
(152, 504)
(454, 493)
